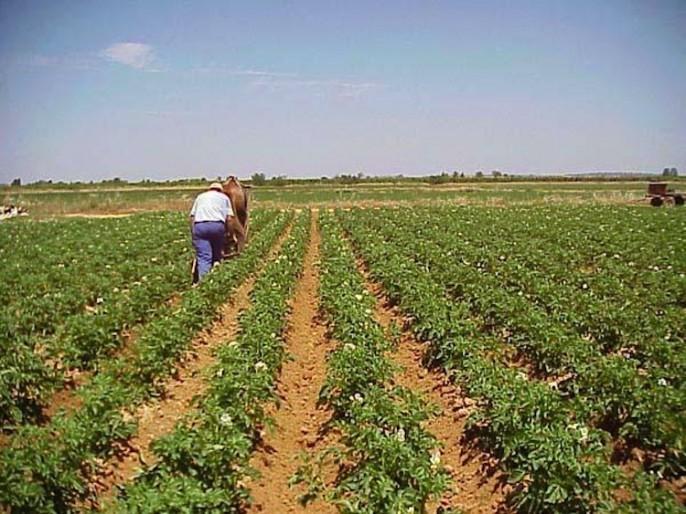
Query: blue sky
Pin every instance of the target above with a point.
(161, 89)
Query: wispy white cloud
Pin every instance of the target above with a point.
(343, 88)
(71, 62)
(280, 80)
(166, 113)
(135, 55)
(238, 72)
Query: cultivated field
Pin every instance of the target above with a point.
(45, 201)
(476, 349)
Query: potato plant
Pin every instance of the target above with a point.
(387, 461)
(616, 391)
(75, 286)
(45, 469)
(556, 460)
(201, 464)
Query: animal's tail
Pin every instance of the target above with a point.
(243, 216)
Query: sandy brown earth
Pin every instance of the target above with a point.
(298, 420)
(477, 486)
(159, 417)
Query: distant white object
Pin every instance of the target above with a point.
(11, 211)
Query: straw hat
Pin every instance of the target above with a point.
(216, 185)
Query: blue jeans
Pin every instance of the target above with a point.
(208, 241)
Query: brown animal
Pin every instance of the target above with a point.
(237, 229)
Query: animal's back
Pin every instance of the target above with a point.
(239, 199)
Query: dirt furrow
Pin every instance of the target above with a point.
(159, 417)
(298, 420)
(66, 399)
(477, 486)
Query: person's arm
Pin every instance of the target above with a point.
(192, 214)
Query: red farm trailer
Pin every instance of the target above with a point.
(658, 193)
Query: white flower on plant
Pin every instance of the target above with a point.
(583, 434)
(358, 397)
(662, 382)
(259, 366)
(358, 297)
(400, 435)
(225, 419)
(435, 458)
(99, 300)
(349, 346)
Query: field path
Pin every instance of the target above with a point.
(477, 487)
(158, 418)
(298, 421)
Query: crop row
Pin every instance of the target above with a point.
(627, 291)
(613, 391)
(201, 464)
(45, 469)
(84, 339)
(586, 274)
(556, 461)
(387, 461)
(54, 269)
(100, 290)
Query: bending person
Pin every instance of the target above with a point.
(210, 215)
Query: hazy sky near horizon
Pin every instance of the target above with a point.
(162, 89)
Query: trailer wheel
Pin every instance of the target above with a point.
(656, 201)
(678, 200)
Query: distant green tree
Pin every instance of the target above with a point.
(674, 172)
(496, 173)
(479, 174)
(16, 182)
(280, 180)
(665, 172)
(670, 172)
(258, 179)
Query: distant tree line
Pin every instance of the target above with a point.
(259, 179)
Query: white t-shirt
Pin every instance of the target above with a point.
(211, 206)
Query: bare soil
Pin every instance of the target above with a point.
(299, 421)
(478, 486)
(159, 417)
